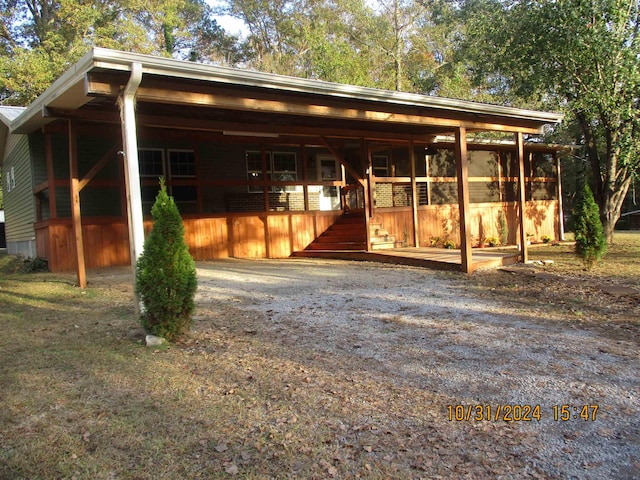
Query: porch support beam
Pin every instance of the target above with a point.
(462, 172)
(559, 193)
(342, 161)
(203, 125)
(76, 216)
(94, 85)
(414, 194)
(132, 169)
(366, 198)
(97, 167)
(522, 200)
(51, 177)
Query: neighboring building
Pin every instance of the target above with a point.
(259, 164)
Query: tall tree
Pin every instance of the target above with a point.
(40, 39)
(581, 55)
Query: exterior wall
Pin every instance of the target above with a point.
(18, 199)
(106, 241)
(442, 222)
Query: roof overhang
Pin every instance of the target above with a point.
(213, 92)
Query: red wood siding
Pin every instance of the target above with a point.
(242, 236)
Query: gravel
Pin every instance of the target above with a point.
(427, 331)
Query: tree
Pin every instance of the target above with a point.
(40, 39)
(165, 273)
(582, 56)
(591, 244)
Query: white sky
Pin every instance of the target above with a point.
(230, 24)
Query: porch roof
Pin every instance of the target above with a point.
(202, 96)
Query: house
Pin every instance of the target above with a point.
(261, 165)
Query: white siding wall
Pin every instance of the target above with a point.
(19, 203)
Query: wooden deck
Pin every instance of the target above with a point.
(436, 258)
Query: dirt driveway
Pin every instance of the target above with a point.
(410, 371)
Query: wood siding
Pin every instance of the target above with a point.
(241, 236)
(19, 201)
(441, 221)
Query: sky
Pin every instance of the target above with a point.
(230, 24)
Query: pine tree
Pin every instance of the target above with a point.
(165, 273)
(591, 243)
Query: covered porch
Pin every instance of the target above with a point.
(434, 258)
(262, 165)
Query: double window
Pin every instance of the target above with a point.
(178, 167)
(279, 167)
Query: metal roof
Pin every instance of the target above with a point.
(68, 90)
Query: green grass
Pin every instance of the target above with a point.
(621, 263)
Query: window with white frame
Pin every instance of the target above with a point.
(11, 179)
(280, 167)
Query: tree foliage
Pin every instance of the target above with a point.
(165, 273)
(40, 39)
(591, 243)
(580, 55)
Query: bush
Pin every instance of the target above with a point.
(165, 273)
(591, 243)
(449, 244)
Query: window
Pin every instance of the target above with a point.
(254, 170)
(11, 179)
(280, 167)
(151, 163)
(182, 164)
(380, 165)
(177, 165)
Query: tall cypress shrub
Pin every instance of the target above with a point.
(591, 243)
(165, 273)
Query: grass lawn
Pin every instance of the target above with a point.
(83, 398)
(621, 263)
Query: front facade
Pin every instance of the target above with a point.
(261, 165)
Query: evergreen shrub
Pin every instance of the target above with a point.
(165, 273)
(591, 244)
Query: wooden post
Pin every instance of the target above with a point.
(366, 197)
(462, 171)
(559, 193)
(265, 177)
(428, 172)
(521, 197)
(75, 205)
(51, 177)
(414, 194)
(371, 183)
(305, 177)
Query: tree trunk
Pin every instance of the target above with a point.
(611, 183)
(611, 205)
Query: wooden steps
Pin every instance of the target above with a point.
(348, 233)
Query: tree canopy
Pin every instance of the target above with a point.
(40, 39)
(578, 56)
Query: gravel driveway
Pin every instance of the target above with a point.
(478, 359)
